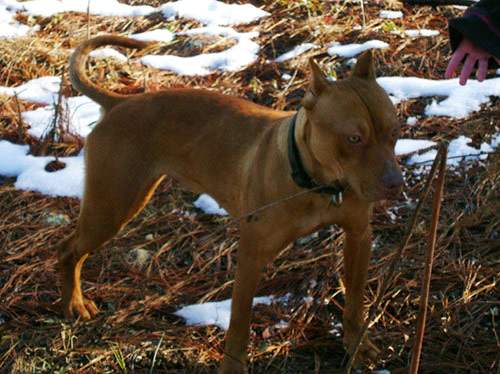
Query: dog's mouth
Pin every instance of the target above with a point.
(392, 193)
(378, 194)
(389, 194)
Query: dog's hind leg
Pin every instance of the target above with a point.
(71, 258)
(115, 190)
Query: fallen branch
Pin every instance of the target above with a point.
(424, 299)
(442, 152)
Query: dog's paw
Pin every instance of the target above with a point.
(231, 365)
(82, 308)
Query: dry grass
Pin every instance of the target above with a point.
(192, 255)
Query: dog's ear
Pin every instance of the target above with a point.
(364, 67)
(317, 85)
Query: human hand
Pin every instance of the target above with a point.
(474, 54)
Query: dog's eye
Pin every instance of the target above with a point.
(354, 139)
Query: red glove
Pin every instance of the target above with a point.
(474, 54)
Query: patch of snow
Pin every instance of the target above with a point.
(351, 50)
(391, 212)
(31, 174)
(405, 146)
(204, 11)
(47, 8)
(215, 30)
(411, 121)
(154, 36)
(281, 325)
(214, 313)
(13, 158)
(42, 90)
(308, 238)
(108, 53)
(337, 328)
(212, 12)
(81, 112)
(456, 149)
(296, 51)
(495, 140)
(460, 102)
(9, 27)
(391, 14)
(232, 59)
(421, 33)
(209, 205)
(308, 300)
(351, 62)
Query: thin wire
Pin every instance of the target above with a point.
(277, 202)
(247, 215)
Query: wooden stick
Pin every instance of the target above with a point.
(424, 299)
(363, 13)
(388, 279)
(88, 19)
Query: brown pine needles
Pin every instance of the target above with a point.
(172, 255)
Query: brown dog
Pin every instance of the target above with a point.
(245, 156)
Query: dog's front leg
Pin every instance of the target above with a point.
(251, 260)
(357, 250)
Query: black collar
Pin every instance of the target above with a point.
(299, 174)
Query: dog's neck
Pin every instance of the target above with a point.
(299, 136)
(310, 164)
(306, 170)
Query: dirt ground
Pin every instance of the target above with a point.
(191, 255)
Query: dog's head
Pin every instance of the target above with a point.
(351, 130)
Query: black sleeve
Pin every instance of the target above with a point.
(480, 24)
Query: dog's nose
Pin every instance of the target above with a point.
(392, 181)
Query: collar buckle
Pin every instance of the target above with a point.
(337, 198)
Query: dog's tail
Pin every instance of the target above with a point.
(79, 78)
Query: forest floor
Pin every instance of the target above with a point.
(192, 255)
